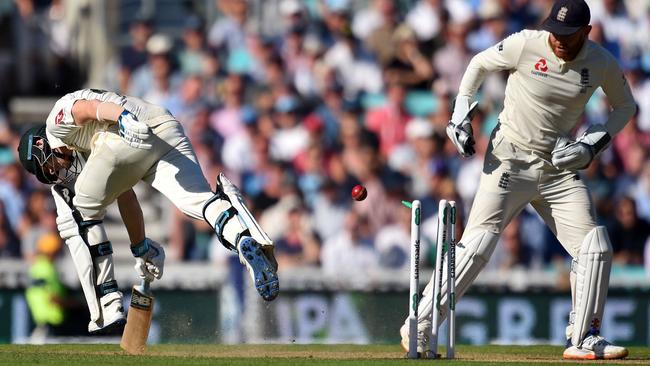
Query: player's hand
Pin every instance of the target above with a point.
(149, 259)
(459, 128)
(572, 156)
(576, 155)
(133, 131)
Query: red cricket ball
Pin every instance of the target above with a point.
(359, 192)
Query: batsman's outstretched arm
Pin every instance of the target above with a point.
(149, 255)
(131, 213)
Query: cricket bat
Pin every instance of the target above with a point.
(138, 321)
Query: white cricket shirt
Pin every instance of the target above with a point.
(61, 129)
(545, 96)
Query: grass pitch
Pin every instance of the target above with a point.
(270, 355)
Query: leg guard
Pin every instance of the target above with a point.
(592, 269)
(111, 312)
(471, 256)
(238, 230)
(83, 263)
(228, 204)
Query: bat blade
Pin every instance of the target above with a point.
(138, 321)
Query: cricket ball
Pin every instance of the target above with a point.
(359, 193)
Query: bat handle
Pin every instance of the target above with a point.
(145, 286)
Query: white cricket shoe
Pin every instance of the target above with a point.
(423, 340)
(595, 347)
(113, 319)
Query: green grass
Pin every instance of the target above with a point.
(270, 355)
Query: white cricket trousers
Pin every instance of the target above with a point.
(170, 167)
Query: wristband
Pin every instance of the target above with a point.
(100, 119)
(141, 248)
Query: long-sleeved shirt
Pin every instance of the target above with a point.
(545, 95)
(61, 128)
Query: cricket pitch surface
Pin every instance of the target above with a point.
(270, 355)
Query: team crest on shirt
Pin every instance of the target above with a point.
(540, 68)
(561, 15)
(59, 118)
(584, 80)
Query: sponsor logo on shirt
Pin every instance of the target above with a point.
(58, 118)
(500, 46)
(540, 68)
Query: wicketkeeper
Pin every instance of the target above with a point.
(533, 159)
(95, 146)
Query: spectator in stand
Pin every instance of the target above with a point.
(13, 192)
(330, 207)
(9, 242)
(407, 65)
(492, 26)
(356, 241)
(330, 111)
(236, 149)
(39, 219)
(366, 20)
(298, 246)
(450, 62)
(187, 103)
(46, 295)
(309, 75)
(641, 192)
(354, 66)
(291, 136)
(226, 120)
(192, 54)
(415, 157)
(393, 243)
(511, 252)
(134, 55)
(228, 32)
(426, 20)
(367, 166)
(629, 234)
(389, 121)
(378, 40)
(156, 80)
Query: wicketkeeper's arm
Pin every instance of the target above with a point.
(502, 56)
(619, 96)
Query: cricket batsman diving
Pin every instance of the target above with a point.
(532, 159)
(95, 146)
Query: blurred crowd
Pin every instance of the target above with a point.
(298, 101)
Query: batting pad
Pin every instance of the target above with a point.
(592, 281)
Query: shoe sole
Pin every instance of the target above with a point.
(264, 276)
(115, 328)
(594, 357)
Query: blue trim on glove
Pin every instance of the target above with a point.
(141, 248)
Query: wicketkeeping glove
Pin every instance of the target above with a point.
(576, 155)
(459, 128)
(149, 259)
(133, 131)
